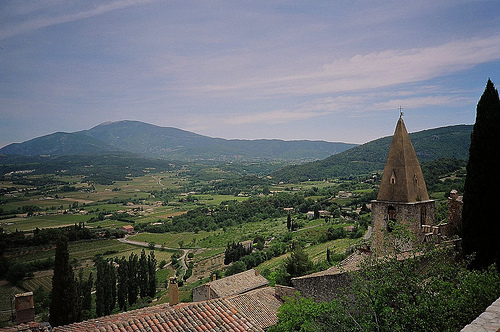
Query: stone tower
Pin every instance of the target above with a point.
(402, 196)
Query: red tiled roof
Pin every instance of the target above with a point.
(237, 283)
(253, 311)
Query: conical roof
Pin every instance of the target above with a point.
(402, 180)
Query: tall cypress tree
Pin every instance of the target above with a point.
(480, 224)
(143, 274)
(105, 286)
(65, 306)
(133, 283)
(152, 274)
(122, 287)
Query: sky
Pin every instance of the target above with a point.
(336, 71)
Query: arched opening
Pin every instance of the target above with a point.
(391, 218)
(423, 215)
(391, 212)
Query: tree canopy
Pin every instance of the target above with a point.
(481, 226)
(65, 307)
(430, 290)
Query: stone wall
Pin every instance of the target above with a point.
(201, 293)
(455, 205)
(283, 292)
(321, 288)
(413, 215)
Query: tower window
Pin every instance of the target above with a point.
(391, 218)
(391, 213)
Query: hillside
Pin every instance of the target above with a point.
(431, 144)
(171, 143)
(60, 144)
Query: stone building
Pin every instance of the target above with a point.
(233, 285)
(402, 197)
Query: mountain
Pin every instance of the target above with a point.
(59, 144)
(431, 144)
(171, 143)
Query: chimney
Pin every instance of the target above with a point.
(173, 291)
(214, 277)
(209, 297)
(25, 308)
(256, 272)
(454, 194)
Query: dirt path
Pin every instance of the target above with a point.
(158, 246)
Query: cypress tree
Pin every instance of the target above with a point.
(87, 293)
(143, 274)
(122, 287)
(133, 284)
(105, 287)
(152, 274)
(480, 225)
(288, 222)
(65, 306)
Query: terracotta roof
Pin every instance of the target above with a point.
(402, 180)
(253, 311)
(237, 283)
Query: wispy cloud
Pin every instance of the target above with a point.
(36, 23)
(360, 72)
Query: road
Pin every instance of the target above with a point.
(144, 244)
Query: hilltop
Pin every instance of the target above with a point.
(150, 141)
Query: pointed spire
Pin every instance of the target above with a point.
(402, 180)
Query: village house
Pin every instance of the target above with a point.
(233, 285)
(129, 229)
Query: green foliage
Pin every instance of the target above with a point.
(234, 252)
(65, 307)
(235, 267)
(105, 286)
(228, 213)
(480, 220)
(296, 265)
(428, 291)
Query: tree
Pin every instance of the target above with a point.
(122, 286)
(105, 286)
(430, 290)
(65, 307)
(85, 293)
(151, 274)
(297, 264)
(142, 274)
(236, 267)
(288, 222)
(133, 283)
(479, 220)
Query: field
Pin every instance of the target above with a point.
(147, 199)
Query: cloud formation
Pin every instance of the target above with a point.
(255, 70)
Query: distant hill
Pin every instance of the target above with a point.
(171, 143)
(431, 144)
(59, 144)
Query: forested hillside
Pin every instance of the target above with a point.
(444, 142)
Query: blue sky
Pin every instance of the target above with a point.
(319, 70)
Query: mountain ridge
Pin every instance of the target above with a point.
(430, 144)
(154, 141)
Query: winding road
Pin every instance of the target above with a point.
(144, 244)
